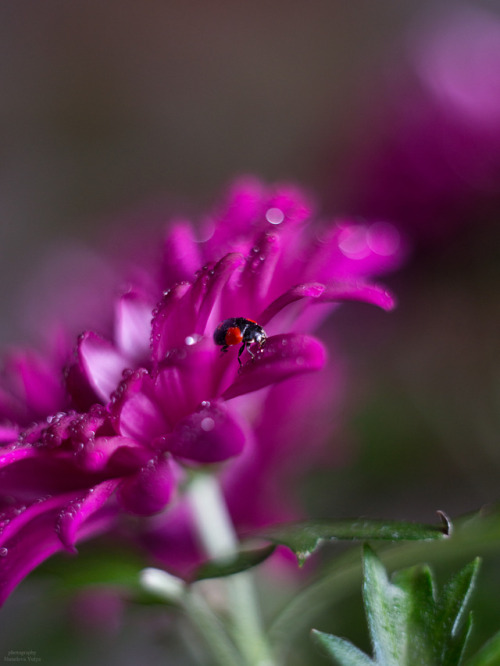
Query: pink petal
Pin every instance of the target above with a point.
(150, 490)
(211, 434)
(135, 410)
(35, 540)
(221, 273)
(133, 326)
(282, 357)
(79, 510)
(11, 453)
(115, 455)
(102, 364)
(359, 291)
(181, 253)
(309, 290)
(185, 378)
(8, 433)
(165, 324)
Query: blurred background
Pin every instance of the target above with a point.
(113, 114)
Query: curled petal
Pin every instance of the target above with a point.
(166, 321)
(102, 364)
(260, 268)
(211, 434)
(359, 291)
(309, 290)
(221, 273)
(185, 378)
(11, 453)
(282, 357)
(134, 409)
(150, 490)
(133, 325)
(32, 538)
(115, 455)
(79, 510)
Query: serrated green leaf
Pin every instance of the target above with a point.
(418, 583)
(244, 560)
(341, 650)
(451, 608)
(472, 534)
(488, 655)
(305, 537)
(409, 623)
(456, 644)
(387, 610)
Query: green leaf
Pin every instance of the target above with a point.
(409, 623)
(96, 564)
(305, 537)
(343, 651)
(451, 609)
(244, 560)
(419, 586)
(488, 655)
(387, 608)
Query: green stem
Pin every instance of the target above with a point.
(219, 540)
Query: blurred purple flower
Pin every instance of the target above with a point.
(157, 397)
(431, 162)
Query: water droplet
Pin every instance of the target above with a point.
(4, 551)
(207, 424)
(275, 215)
(192, 339)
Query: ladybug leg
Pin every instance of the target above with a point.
(225, 348)
(242, 349)
(249, 350)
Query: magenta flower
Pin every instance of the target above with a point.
(432, 160)
(141, 407)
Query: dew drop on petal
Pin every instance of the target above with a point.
(192, 339)
(275, 215)
(4, 552)
(207, 424)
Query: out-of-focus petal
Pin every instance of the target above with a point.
(359, 291)
(150, 490)
(209, 435)
(8, 433)
(79, 510)
(32, 387)
(102, 364)
(36, 540)
(283, 356)
(309, 290)
(133, 326)
(181, 251)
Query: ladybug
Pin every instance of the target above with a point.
(238, 330)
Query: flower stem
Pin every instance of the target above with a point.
(219, 540)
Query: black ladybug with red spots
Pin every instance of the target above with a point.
(238, 330)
